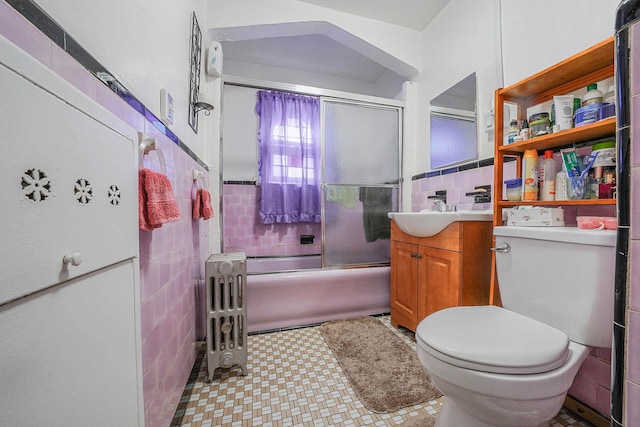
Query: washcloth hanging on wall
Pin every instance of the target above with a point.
(156, 204)
(376, 203)
(202, 205)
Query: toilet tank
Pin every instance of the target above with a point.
(561, 276)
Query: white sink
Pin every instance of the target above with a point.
(429, 223)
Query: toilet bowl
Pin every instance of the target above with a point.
(513, 365)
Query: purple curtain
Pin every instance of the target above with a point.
(289, 158)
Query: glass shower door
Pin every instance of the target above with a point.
(361, 171)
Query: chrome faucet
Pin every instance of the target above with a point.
(440, 205)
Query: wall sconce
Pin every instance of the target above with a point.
(203, 103)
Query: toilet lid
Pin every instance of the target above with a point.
(492, 339)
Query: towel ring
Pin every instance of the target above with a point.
(147, 145)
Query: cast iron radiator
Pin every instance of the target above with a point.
(226, 311)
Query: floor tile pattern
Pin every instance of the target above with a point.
(293, 379)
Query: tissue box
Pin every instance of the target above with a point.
(534, 216)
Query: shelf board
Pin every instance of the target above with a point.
(585, 202)
(592, 60)
(590, 132)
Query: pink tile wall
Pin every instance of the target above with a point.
(593, 381)
(171, 266)
(243, 231)
(456, 184)
(171, 258)
(632, 385)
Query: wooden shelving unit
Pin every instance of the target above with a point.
(591, 65)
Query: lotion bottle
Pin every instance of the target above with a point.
(530, 175)
(593, 95)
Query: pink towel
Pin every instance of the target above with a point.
(202, 205)
(207, 210)
(156, 204)
(197, 206)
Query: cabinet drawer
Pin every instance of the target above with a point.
(68, 182)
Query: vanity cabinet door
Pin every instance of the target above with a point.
(404, 284)
(438, 280)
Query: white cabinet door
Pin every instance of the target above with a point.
(69, 332)
(68, 184)
(67, 354)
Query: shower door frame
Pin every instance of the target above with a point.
(323, 94)
(325, 185)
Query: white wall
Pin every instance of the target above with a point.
(402, 43)
(483, 35)
(563, 28)
(464, 38)
(145, 44)
(290, 76)
(240, 132)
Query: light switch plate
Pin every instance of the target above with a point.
(166, 107)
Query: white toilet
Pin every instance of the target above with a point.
(512, 366)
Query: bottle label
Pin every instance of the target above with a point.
(530, 182)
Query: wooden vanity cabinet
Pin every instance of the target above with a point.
(431, 273)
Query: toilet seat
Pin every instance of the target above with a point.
(492, 339)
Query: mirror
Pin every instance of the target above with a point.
(453, 125)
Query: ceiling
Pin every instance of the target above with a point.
(319, 53)
(414, 14)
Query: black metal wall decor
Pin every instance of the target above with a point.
(194, 81)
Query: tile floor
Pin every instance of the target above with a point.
(293, 380)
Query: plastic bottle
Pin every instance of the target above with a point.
(548, 177)
(530, 175)
(593, 95)
(512, 132)
(610, 96)
(562, 184)
(525, 132)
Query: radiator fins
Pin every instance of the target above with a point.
(226, 312)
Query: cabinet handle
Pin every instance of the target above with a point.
(74, 259)
(414, 255)
(505, 247)
(418, 256)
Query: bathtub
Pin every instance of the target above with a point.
(303, 297)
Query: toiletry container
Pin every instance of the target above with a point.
(587, 114)
(514, 189)
(548, 177)
(539, 124)
(562, 184)
(525, 132)
(606, 159)
(610, 96)
(512, 133)
(564, 111)
(530, 175)
(593, 95)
